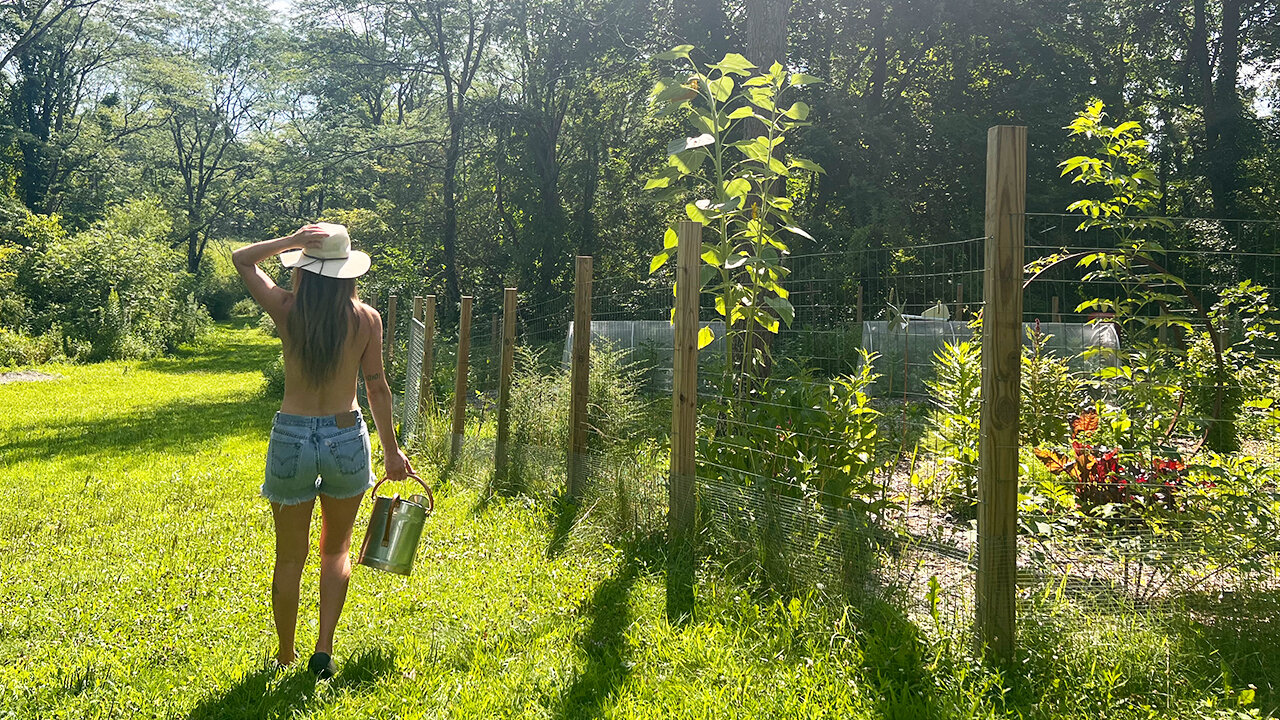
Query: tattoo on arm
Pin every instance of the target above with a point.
(373, 377)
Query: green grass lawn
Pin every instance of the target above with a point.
(137, 560)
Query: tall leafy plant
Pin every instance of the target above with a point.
(736, 158)
(1145, 296)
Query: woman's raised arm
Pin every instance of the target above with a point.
(263, 289)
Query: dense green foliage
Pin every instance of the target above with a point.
(495, 139)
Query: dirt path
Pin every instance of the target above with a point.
(17, 376)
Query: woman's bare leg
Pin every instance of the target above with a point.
(336, 516)
(293, 538)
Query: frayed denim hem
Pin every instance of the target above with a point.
(295, 500)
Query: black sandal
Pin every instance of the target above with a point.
(322, 665)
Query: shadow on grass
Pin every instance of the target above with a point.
(1236, 642)
(604, 644)
(564, 515)
(269, 693)
(170, 428)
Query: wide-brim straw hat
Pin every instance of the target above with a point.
(334, 258)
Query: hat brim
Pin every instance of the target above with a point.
(354, 265)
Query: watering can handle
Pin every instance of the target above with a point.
(431, 499)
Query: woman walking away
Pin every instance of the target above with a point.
(319, 443)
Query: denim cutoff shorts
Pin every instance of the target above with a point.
(308, 456)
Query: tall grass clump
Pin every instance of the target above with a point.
(623, 463)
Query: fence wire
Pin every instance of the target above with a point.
(846, 462)
(1149, 484)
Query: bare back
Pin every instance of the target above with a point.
(338, 393)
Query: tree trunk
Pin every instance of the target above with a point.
(452, 154)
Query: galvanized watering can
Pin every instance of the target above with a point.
(391, 540)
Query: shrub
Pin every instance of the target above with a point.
(808, 436)
(540, 411)
(274, 374)
(246, 308)
(18, 348)
(217, 285)
(121, 297)
(267, 325)
(142, 218)
(13, 309)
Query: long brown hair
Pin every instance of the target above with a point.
(323, 310)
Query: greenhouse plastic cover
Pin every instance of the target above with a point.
(909, 352)
(650, 344)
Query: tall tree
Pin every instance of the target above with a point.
(210, 83)
(459, 34)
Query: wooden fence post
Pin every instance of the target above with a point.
(426, 391)
(1053, 311)
(1001, 380)
(460, 379)
(417, 308)
(579, 377)
(506, 368)
(390, 349)
(684, 424)
(859, 306)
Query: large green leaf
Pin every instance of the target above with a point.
(737, 187)
(799, 111)
(711, 255)
(735, 64)
(670, 239)
(679, 52)
(658, 261)
(670, 91)
(659, 182)
(797, 231)
(705, 337)
(721, 88)
(802, 79)
(755, 149)
(786, 311)
(688, 161)
(695, 214)
(806, 165)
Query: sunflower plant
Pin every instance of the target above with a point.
(736, 159)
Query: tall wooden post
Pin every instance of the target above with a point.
(859, 306)
(460, 378)
(426, 392)
(684, 424)
(506, 368)
(417, 308)
(579, 377)
(1001, 379)
(1053, 311)
(390, 349)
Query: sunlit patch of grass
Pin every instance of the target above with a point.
(137, 560)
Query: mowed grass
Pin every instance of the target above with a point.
(135, 564)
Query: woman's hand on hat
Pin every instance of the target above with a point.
(308, 237)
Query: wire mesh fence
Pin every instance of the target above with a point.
(1150, 484)
(842, 455)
